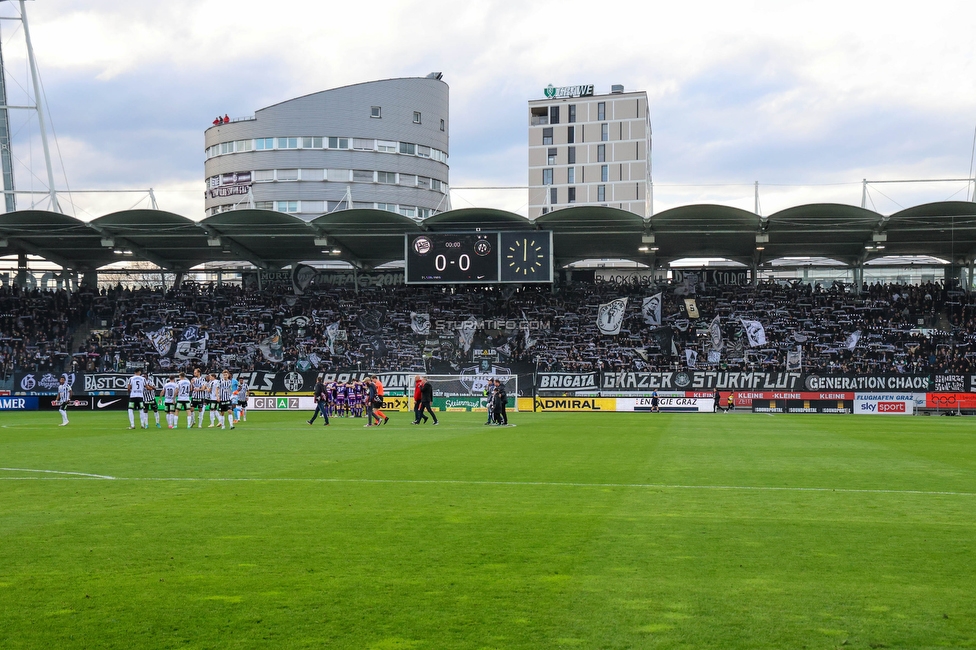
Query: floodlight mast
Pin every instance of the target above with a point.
(41, 123)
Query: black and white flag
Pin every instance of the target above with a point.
(192, 348)
(852, 340)
(794, 360)
(610, 316)
(755, 332)
(466, 333)
(420, 323)
(273, 347)
(691, 357)
(332, 332)
(651, 310)
(691, 308)
(715, 335)
(162, 340)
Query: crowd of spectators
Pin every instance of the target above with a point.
(896, 328)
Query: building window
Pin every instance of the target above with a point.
(287, 175)
(408, 148)
(604, 132)
(553, 115)
(551, 156)
(571, 134)
(408, 211)
(389, 207)
(443, 125)
(375, 111)
(314, 207)
(286, 206)
(437, 185)
(422, 151)
(264, 205)
(263, 176)
(363, 176)
(410, 180)
(386, 146)
(288, 143)
(571, 175)
(416, 117)
(547, 135)
(363, 144)
(337, 175)
(313, 175)
(605, 173)
(601, 111)
(601, 192)
(572, 113)
(386, 177)
(571, 194)
(243, 145)
(572, 156)
(601, 152)
(264, 143)
(338, 143)
(311, 143)
(547, 177)
(424, 182)
(553, 195)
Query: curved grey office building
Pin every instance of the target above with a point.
(380, 144)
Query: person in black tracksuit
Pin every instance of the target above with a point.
(321, 401)
(426, 398)
(501, 401)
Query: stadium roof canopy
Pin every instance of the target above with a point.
(369, 238)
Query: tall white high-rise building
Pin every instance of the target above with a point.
(588, 149)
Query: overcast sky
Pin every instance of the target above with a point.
(807, 98)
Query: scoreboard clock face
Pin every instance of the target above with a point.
(447, 258)
(526, 256)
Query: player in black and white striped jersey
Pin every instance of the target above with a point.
(199, 396)
(64, 396)
(226, 390)
(149, 402)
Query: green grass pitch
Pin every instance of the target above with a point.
(565, 531)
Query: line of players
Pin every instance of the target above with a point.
(224, 397)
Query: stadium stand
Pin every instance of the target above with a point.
(902, 329)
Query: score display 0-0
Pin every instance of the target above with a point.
(478, 257)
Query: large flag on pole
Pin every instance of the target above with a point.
(651, 310)
(610, 316)
(755, 332)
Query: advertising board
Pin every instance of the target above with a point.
(867, 404)
(666, 404)
(18, 403)
(805, 405)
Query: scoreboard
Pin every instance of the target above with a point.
(478, 257)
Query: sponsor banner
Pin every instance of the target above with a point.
(228, 190)
(671, 404)
(568, 404)
(620, 382)
(281, 404)
(802, 406)
(470, 403)
(18, 403)
(567, 382)
(47, 404)
(918, 399)
(950, 401)
(42, 382)
(119, 402)
(870, 405)
(885, 383)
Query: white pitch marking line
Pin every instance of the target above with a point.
(651, 486)
(51, 471)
